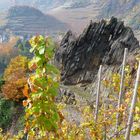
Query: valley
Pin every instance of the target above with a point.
(65, 65)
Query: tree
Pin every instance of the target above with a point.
(15, 77)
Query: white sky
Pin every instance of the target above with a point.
(4, 4)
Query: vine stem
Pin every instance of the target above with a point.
(133, 104)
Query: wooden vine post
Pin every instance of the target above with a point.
(98, 94)
(134, 99)
(121, 88)
(105, 117)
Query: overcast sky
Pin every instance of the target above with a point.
(4, 4)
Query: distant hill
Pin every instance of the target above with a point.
(76, 3)
(49, 4)
(118, 7)
(41, 4)
(128, 10)
(22, 20)
(79, 12)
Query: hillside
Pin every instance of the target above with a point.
(70, 89)
(41, 4)
(95, 10)
(74, 12)
(126, 10)
(101, 43)
(25, 20)
(50, 4)
(77, 17)
(118, 7)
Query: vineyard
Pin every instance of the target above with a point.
(36, 83)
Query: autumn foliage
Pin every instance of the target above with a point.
(7, 52)
(15, 77)
(46, 119)
(41, 109)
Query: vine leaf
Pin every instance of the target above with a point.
(25, 91)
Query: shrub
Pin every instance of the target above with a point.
(1, 83)
(6, 113)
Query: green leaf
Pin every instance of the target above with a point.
(55, 116)
(53, 91)
(50, 52)
(38, 59)
(52, 68)
(32, 49)
(42, 50)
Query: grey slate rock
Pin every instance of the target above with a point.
(100, 43)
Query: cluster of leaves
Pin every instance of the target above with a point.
(41, 112)
(8, 136)
(15, 77)
(67, 130)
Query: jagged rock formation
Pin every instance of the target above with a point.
(100, 43)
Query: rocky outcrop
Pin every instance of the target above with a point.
(100, 43)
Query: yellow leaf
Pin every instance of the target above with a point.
(25, 91)
(25, 103)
